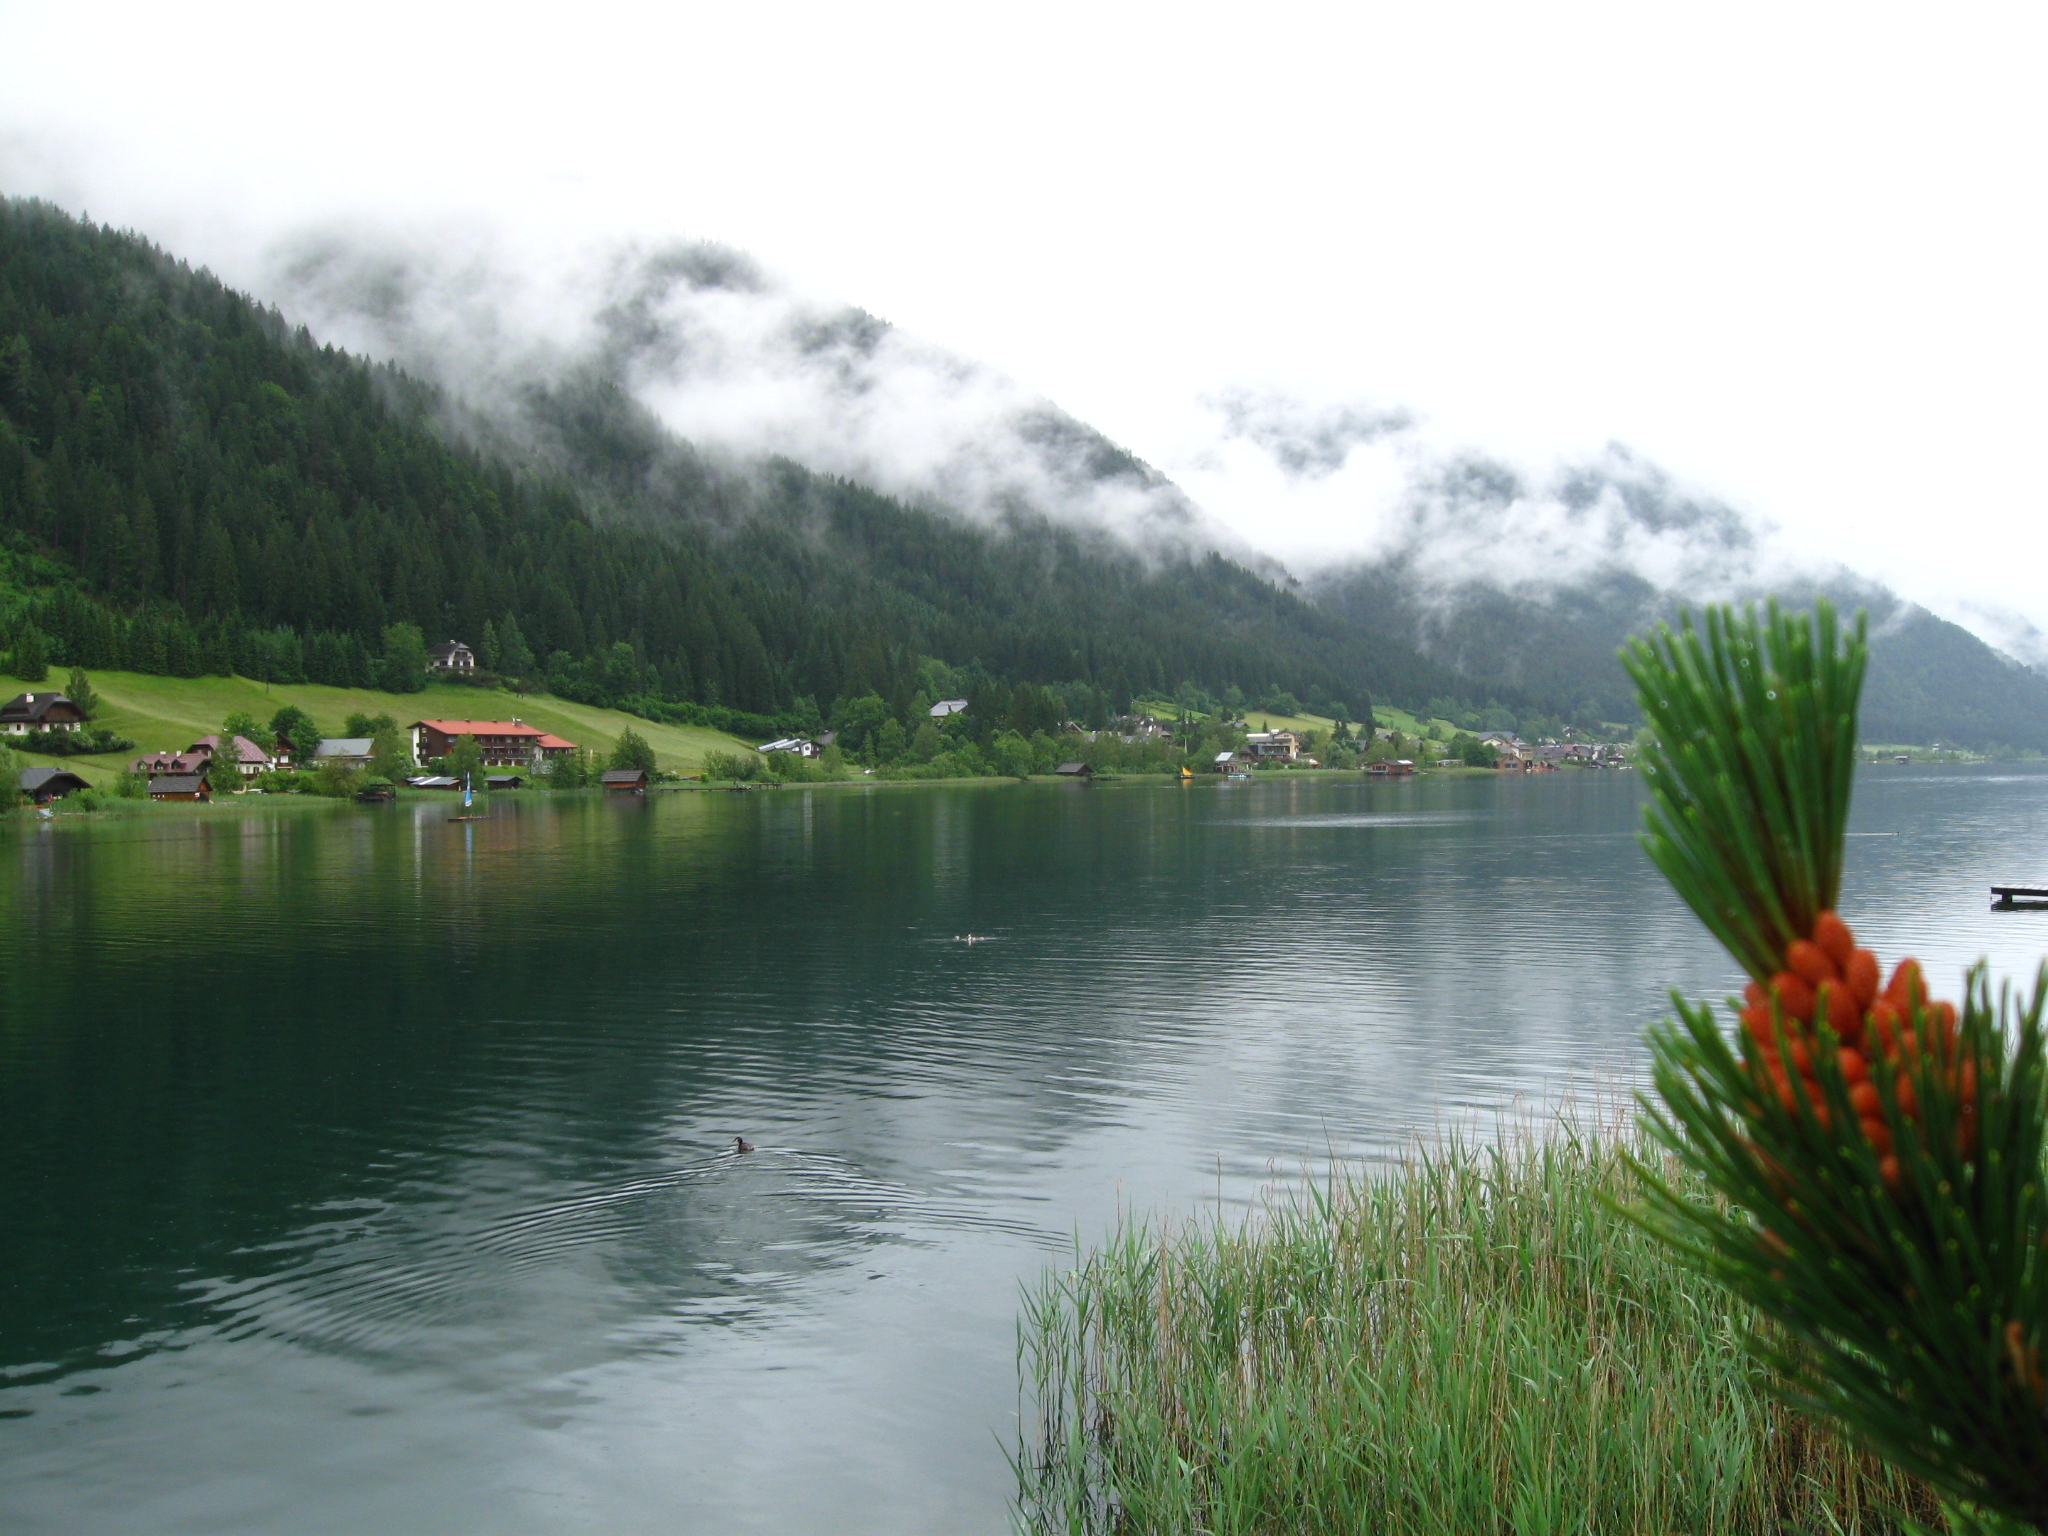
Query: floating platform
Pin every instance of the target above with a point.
(2019, 898)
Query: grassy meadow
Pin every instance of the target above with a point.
(173, 712)
(1473, 1341)
(1388, 717)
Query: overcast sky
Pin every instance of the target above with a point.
(1796, 255)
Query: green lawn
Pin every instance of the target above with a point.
(174, 712)
(1389, 718)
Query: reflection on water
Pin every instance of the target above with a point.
(365, 1171)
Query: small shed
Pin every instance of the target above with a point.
(180, 786)
(1074, 771)
(624, 781)
(434, 781)
(503, 780)
(43, 785)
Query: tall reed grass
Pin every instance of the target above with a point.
(1474, 1341)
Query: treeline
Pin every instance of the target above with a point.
(225, 493)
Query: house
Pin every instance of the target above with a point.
(1226, 762)
(503, 780)
(624, 781)
(1272, 746)
(451, 656)
(1075, 771)
(42, 785)
(504, 743)
(349, 751)
(251, 759)
(180, 786)
(1391, 768)
(945, 707)
(433, 781)
(156, 764)
(796, 745)
(27, 712)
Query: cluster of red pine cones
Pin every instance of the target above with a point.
(1827, 978)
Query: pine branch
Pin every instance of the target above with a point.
(1879, 1157)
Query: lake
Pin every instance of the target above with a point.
(368, 1172)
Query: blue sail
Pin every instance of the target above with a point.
(468, 795)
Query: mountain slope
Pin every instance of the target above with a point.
(230, 493)
(1534, 590)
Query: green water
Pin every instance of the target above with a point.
(367, 1172)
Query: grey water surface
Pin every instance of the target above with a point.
(360, 1171)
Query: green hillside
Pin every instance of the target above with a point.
(173, 712)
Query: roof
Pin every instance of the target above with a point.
(1224, 757)
(32, 706)
(433, 781)
(446, 649)
(623, 776)
(786, 744)
(245, 750)
(503, 778)
(34, 779)
(1074, 768)
(555, 744)
(345, 746)
(176, 783)
(946, 707)
(480, 727)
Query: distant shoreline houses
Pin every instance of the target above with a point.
(503, 744)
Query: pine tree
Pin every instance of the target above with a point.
(31, 661)
(79, 691)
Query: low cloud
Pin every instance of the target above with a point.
(1306, 441)
(729, 357)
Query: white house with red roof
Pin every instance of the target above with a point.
(504, 743)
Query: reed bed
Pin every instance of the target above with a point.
(1473, 1341)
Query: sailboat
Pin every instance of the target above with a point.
(468, 800)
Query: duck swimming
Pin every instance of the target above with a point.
(741, 1144)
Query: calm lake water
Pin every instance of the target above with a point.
(364, 1172)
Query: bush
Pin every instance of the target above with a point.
(632, 750)
(737, 766)
(74, 743)
(337, 781)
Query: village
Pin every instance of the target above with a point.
(376, 756)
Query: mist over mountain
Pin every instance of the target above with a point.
(731, 360)
(1533, 586)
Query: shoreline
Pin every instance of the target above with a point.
(111, 807)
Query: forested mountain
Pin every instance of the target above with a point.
(188, 484)
(1929, 680)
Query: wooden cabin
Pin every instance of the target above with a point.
(180, 786)
(624, 781)
(42, 785)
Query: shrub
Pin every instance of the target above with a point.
(74, 743)
(737, 766)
